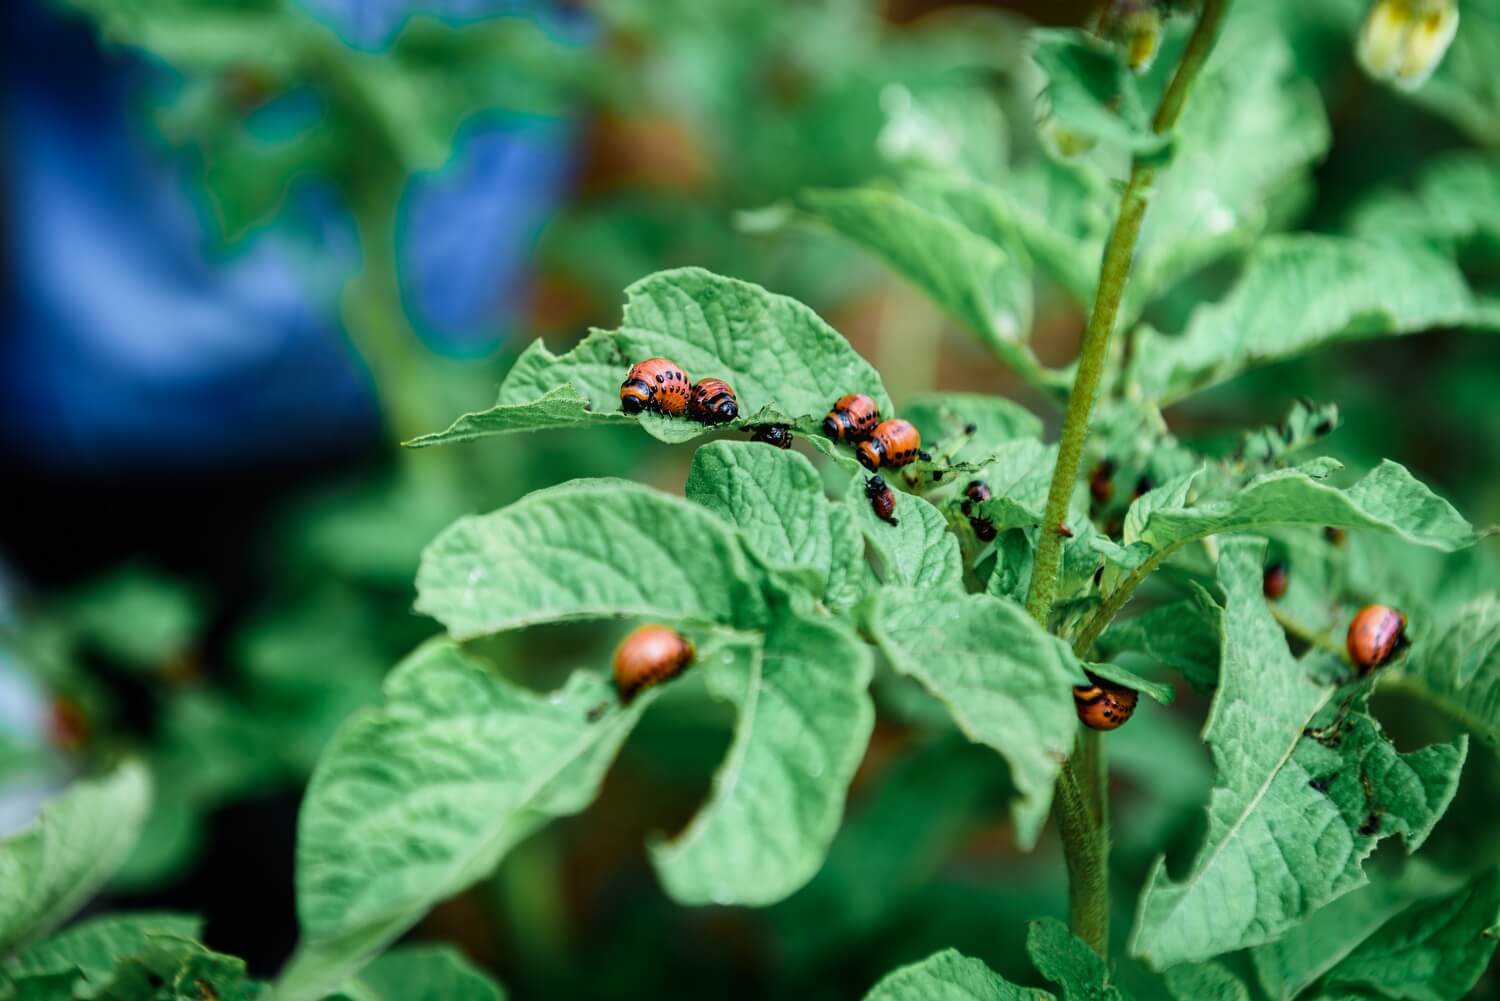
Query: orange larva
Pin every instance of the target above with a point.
(977, 492)
(713, 402)
(649, 656)
(1103, 705)
(1376, 633)
(655, 384)
(892, 443)
(852, 418)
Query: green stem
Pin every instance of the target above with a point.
(1083, 824)
(1114, 272)
(1105, 614)
(1082, 801)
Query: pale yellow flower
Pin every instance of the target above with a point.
(1403, 41)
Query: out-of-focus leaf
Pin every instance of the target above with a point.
(49, 869)
(804, 720)
(773, 350)
(178, 969)
(1299, 293)
(1292, 816)
(422, 973)
(588, 549)
(414, 802)
(1090, 91)
(1435, 950)
(981, 277)
(138, 616)
(950, 976)
(1206, 982)
(1455, 204)
(1463, 88)
(1006, 682)
(917, 551)
(1459, 667)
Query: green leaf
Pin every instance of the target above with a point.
(773, 350)
(1090, 91)
(982, 278)
(177, 969)
(918, 551)
(1006, 682)
(1063, 213)
(422, 973)
(136, 615)
(1067, 961)
(775, 498)
(92, 948)
(557, 408)
(1458, 665)
(587, 549)
(950, 976)
(804, 719)
(1388, 499)
(1246, 140)
(50, 868)
(1299, 293)
(1435, 950)
(941, 417)
(1183, 635)
(414, 802)
(1018, 475)
(1419, 935)
(1305, 787)
(1155, 690)
(1206, 982)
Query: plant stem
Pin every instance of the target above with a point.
(1114, 272)
(1083, 823)
(1082, 801)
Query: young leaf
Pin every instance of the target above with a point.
(1459, 667)
(950, 976)
(557, 408)
(1388, 498)
(587, 549)
(1157, 691)
(804, 720)
(1006, 682)
(773, 350)
(1090, 92)
(943, 416)
(177, 969)
(982, 279)
(1435, 950)
(1067, 961)
(49, 869)
(1299, 293)
(1018, 476)
(1304, 789)
(918, 551)
(775, 497)
(421, 973)
(413, 802)
(1184, 635)
(92, 948)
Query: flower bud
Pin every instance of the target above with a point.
(1135, 25)
(1403, 41)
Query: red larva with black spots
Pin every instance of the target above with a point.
(1275, 581)
(657, 384)
(1103, 705)
(713, 402)
(892, 443)
(977, 492)
(882, 499)
(648, 656)
(852, 418)
(1375, 634)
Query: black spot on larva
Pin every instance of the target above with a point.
(659, 379)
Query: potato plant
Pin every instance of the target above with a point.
(1114, 550)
